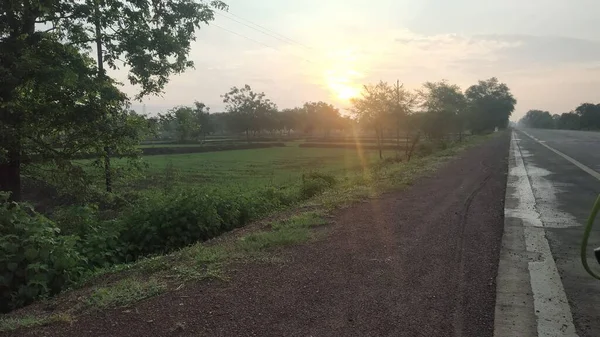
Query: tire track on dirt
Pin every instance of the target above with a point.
(460, 302)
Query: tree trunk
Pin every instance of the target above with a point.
(101, 78)
(378, 136)
(412, 146)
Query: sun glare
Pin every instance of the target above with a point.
(341, 85)
(343, 91)
(341, 76)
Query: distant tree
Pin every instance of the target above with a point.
(187, 123)
(248, 110)
(444, 105)
(556, 120)
(289, 119)
(537, 119)
(218, 122)
(321, 116)
(589, 116)
(490, 105)
(401, 103)
(373, 109)
(568, 121)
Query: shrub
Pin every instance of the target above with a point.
(162, 223)
(331, 181)
(34, 259)
(425, 148)
(99, 240)
(315, 183)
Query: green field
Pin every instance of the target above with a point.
(247, 170)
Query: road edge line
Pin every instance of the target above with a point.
(530, 297)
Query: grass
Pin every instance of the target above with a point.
(124, 292)
(248, 170)
(12, 324)
(259, 241)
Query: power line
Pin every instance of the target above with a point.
(244, 36)
(263, 29)
(256, 29)
(253, 40)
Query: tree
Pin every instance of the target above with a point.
(373, 109)
(490, 105)
(444, 105)
(568, 121)
(152, 38)
(321, 115)
(247, 109)
(49, 108)
(537, 119)
(402, 102)
(589, 116)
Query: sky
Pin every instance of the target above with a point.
(546, 51)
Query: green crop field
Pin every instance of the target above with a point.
(247, 170)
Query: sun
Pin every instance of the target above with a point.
(341, 84)
(343, 91)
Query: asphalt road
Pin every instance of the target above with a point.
(549, 204)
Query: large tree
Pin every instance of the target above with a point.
(321, 115)
(589, 116)
(49, 109)
(568, 121)
(248, 109)
(444, 105)
(537, 119)
(151, 38)
(490, 105)
(186, 123)
(373, 109)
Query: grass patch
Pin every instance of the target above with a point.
(14, 323)
(260, 241)
(124, 293)
(200, 262)
(303, 220)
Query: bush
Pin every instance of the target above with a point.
(99, 240)
(315, 183)
(165, 222)
(162, 223)
(35, 260)
(425, 149)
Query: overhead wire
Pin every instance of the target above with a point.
(256, 41)
(261, 28)
(243, 36)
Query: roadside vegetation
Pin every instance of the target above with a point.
(585, 117)
(97, 198)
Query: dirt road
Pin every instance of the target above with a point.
(420, 262)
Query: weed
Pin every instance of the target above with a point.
(12, 324)
(124, 292)
(259, 241)
(304, 220)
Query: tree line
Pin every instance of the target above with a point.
(383, 109)
(585, 117)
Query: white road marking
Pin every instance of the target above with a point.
(588, 170)
(554, 317)
(534, 182)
